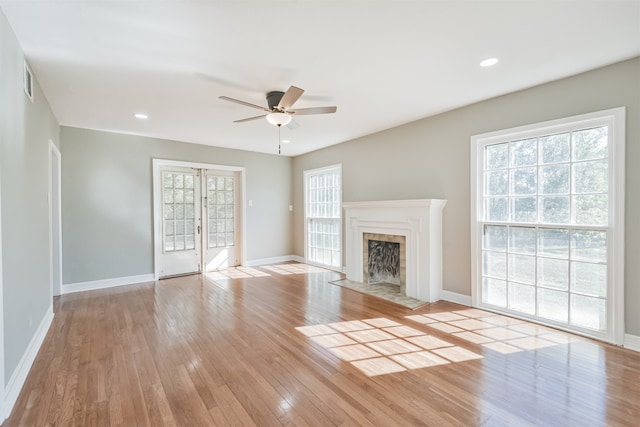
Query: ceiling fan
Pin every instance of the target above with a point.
(280, 112)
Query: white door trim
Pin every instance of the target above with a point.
(3, 391)
(55, 218)
(157, 205)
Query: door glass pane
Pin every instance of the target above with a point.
(221, 207)
(176, 206)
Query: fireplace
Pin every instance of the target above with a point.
(384, 259)
(417, 223)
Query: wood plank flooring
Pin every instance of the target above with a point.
(280, 346)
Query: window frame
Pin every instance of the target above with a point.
(306, 174)
(615, 120)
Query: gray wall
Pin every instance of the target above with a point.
(25, 131)
(430, 159)
(107, 204)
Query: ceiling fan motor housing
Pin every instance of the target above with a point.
(273, 98)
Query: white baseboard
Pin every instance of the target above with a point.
(632, 342)
(274, 260)
(455, 297)
(106, 283)
(19, 375)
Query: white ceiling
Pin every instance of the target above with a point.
(383, 63)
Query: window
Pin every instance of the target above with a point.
(323, 219)
(548, 222)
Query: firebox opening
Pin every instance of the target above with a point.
(384, 262)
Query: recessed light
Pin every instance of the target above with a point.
(141, 116)
(286, 141)
(489, 62)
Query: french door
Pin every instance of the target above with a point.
(181, 229)
(323, 217)
(221, 225)
(197, 219)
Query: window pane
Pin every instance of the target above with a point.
(554, 179)
(522, 240)
(168, 228)
(555, 148)
(497, 183)
(178, 181)
(590, 144)
(523, 181)
(522, 268)
(589, 245)
(553, 305)
(168, 195)
(494, 292)
(495, 237)
(591, 210)
(188, 181)
(495, 264)
(553, 242)
(168, 180)
(497, 156)
(588, 312)
(589, 279)
(522, 298)
(524, 153)
(496, 209)
(523, 209)
(591, 177)
(555, 209)
(553, 273)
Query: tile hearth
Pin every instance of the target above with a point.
(384, 291)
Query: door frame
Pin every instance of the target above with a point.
(157, 164)
(55, 219)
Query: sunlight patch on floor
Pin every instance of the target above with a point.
(381, 346)
(236, 273)
(503, 334)
(294, 268)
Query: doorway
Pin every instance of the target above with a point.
(198, 217)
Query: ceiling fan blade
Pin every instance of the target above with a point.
(293, 124)
(248, 104)
(290, 97)
(248, 119)
(313, 110)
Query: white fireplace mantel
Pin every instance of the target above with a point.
(419, 220)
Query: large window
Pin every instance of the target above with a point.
(547, 222)
(323, 200)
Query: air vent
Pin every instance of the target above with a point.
(28, 81)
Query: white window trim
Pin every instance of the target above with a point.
(306, 174)
(615, 119)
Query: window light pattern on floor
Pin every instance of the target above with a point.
(293, 268)
(381, 346)
(236, 273)
(499, 333)
(248, 272)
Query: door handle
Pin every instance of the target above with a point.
(198, 229)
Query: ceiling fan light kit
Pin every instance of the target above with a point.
(278, 119)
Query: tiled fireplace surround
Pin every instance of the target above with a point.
(419, 221)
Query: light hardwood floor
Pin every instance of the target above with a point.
(279, 345)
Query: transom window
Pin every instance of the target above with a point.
(546, 222)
